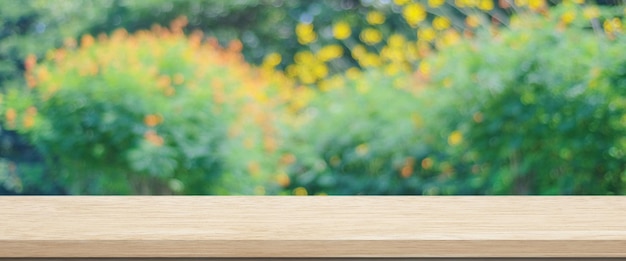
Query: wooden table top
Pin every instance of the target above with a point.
(314, 226)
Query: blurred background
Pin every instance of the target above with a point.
(329, 97)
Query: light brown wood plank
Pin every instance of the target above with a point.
(337, 226)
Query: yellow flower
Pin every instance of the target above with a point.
(466, 3)
(472, 21)
(330, 52)
(371, 36)
(341, 30)
(591, 12)
(426, 34)
(271, 60)
(370, 60)
(362, 149)
(353, 73)
(283, 180)
(401, 2)
(375, 17)
(568, 17)
(485, 5)
(306, 76)
(305, 33)
(392, 69)
(424, 68)
(304, 57)
(394, 54)
(436, 3)
(612, 25)
(449, 38)
(320, 70)
(300, 191)
(358, 51)
(427, 163)
(536, 4)
(396, 41)
(414, 13)
(455, 138)
(441, 23)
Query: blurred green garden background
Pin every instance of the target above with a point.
(328, 97)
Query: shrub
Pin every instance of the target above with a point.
(364, 134)
(154, 112)
(536, 109)
(531, 109)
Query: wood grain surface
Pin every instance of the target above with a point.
(312, 227)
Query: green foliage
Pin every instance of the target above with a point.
(538, 109)
(150, 113)
(532, 107)
(362, 136)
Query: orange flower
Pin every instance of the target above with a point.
(283, 180)
(154, 138)
(28, 122)
(31, 81)
(10, 115)
(30, 62)
(288, 159)
(86, 41)
(152, 120)
(254, 168)
(164, 81)
(407, 169)
(427, 163)
(170, 91)
(32, 111)
(179, 78)
(235, 46)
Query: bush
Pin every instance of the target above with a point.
(151, 113)
(535, 109)
(530, 105)
(363, 135)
